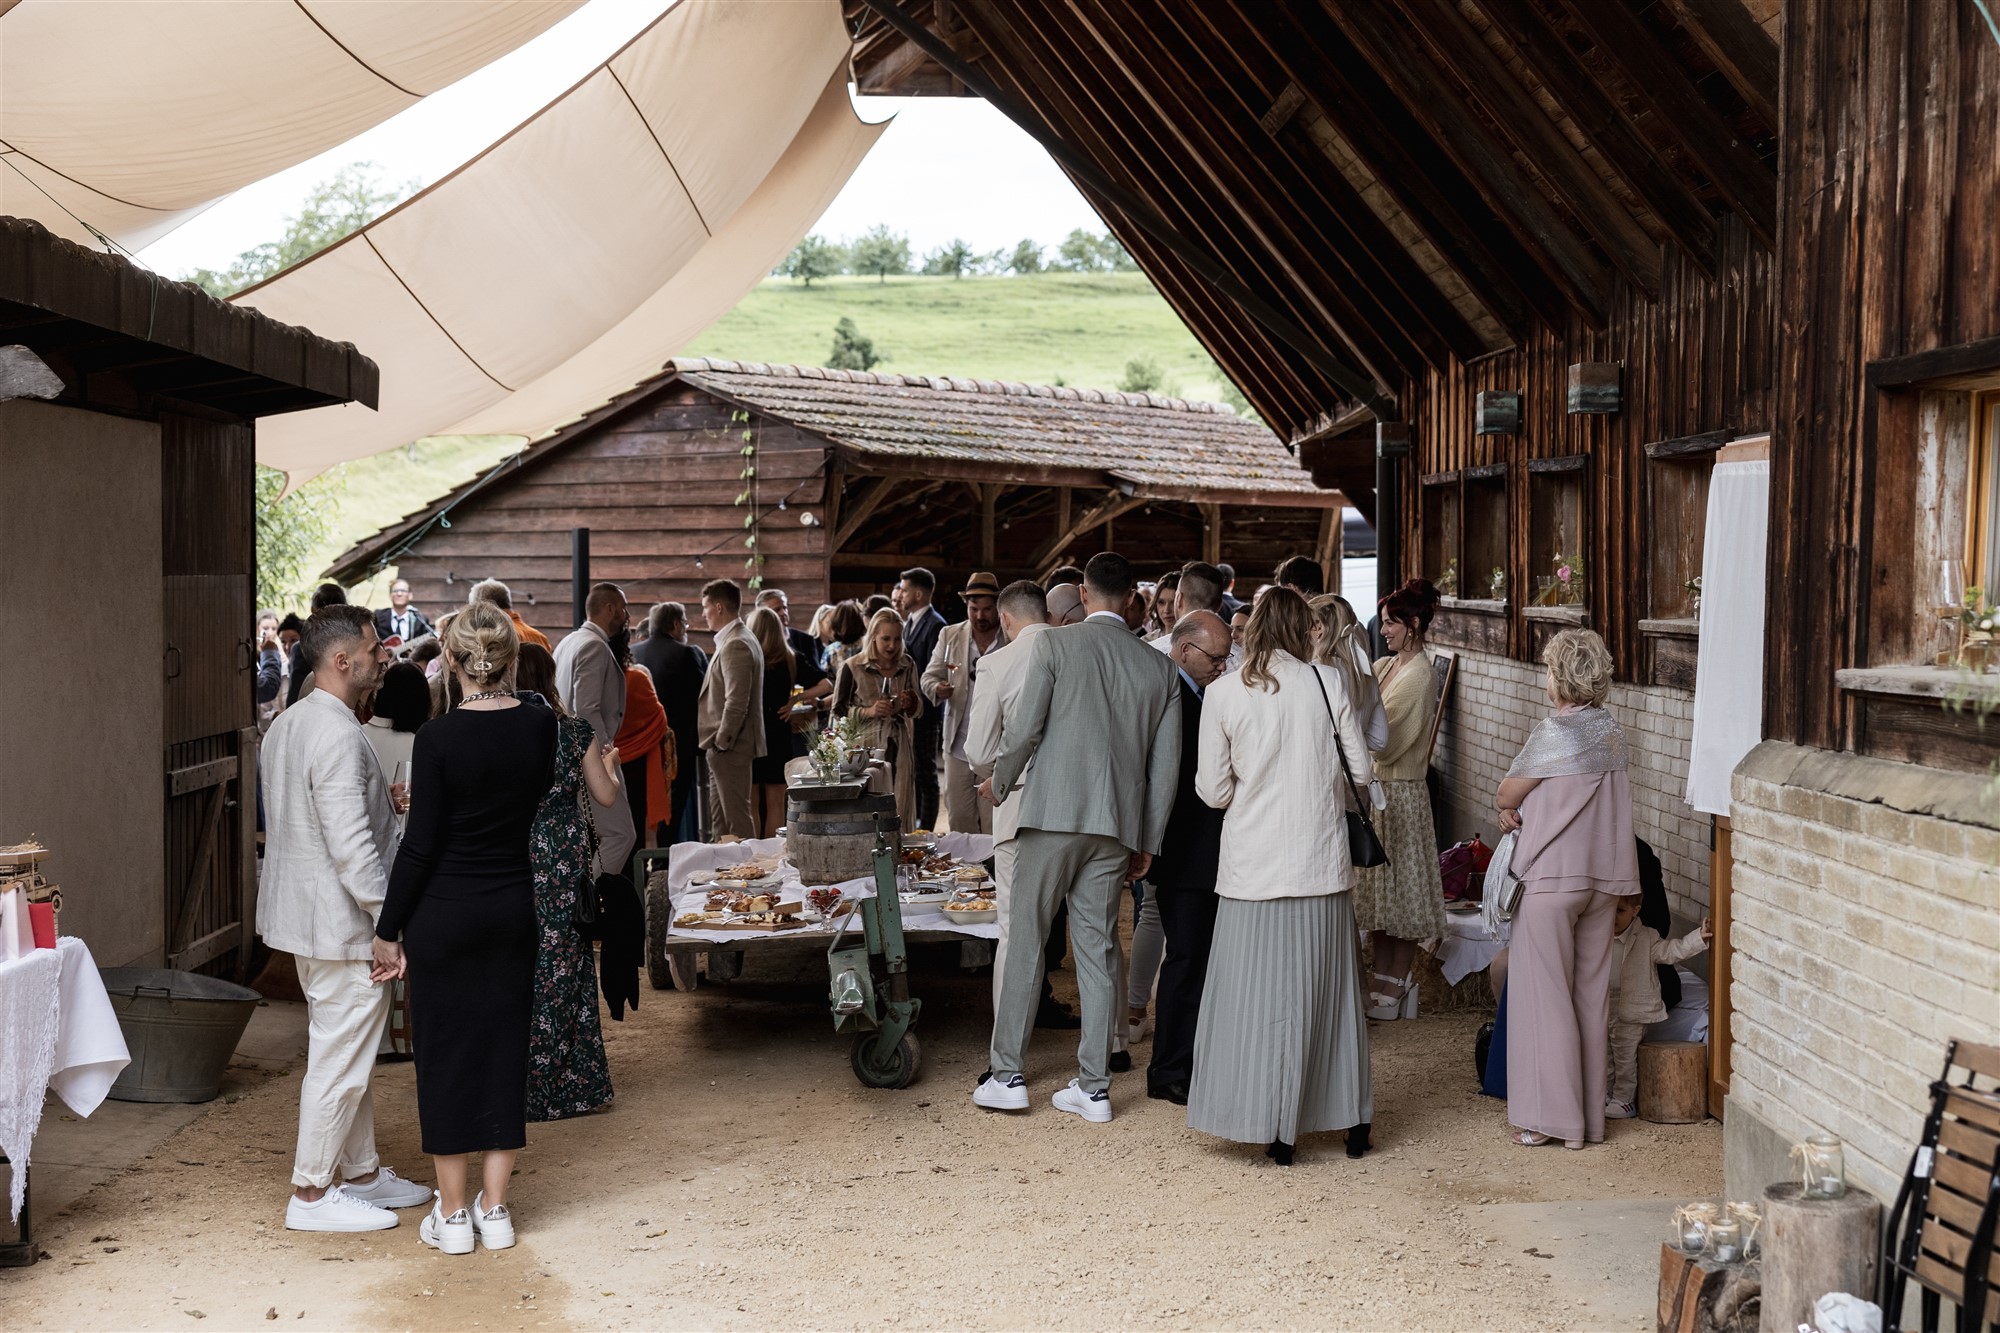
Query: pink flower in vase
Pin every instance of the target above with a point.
(1562, 573)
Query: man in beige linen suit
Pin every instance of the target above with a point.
(1099, 719)
(1023, 610)
(592, 685)
(953, 681)
(731, 719)
(329, 841)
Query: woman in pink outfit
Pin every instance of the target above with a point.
(1569, 797)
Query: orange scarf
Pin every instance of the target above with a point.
(645, 734)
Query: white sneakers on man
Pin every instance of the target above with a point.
(449, 1235)
(1001, 1094)
(1092, 1106)
(389, 1190)
(495, 1228)
(336, 1210)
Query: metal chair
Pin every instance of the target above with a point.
(1940, 1231)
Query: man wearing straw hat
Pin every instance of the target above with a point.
(949, 682)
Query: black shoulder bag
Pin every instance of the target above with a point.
(1363, 847)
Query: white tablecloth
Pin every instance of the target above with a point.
(688, 859)
(57, 1032)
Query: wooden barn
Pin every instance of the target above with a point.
(828, 483)
(128, 409)
(1523, 269)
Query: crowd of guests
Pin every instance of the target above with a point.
(453, 803)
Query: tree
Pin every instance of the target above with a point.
(335, 208)
(1142, 375)
(814, 257)
(881, 252)
(1115, 255)
(1027, 258)
(852, 351)
(1080, 252)
(953, 259)
(288, 531)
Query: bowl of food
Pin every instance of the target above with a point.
(972, 911)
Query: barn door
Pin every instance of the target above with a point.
(210, 669)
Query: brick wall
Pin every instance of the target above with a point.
(1865, 935)
(1496, 701)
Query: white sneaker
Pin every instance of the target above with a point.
(997, 1094)
(389, 1190)
(495, 1228)
(1139, 1031)
(1619, 1110)
(1092, 1106)
(451, 1235)
(336, 1210)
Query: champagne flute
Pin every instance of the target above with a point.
(399, 788)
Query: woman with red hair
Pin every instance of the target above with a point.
(1403, 901)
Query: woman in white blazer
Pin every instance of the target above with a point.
(1282, 1045)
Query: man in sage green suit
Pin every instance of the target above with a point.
(1098, 717)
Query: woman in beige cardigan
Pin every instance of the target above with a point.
(880, 684)
(1403, 902)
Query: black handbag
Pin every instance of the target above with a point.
(1363, 847)
(583, 915)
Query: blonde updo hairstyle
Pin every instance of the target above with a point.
(1579, 667)
(481, 642)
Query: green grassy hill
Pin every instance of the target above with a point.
(1078, 329)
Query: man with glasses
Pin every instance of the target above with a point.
(1183, 874)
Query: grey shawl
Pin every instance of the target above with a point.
(1581, 740)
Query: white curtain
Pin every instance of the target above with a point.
(574, 256)
(134, 115)
(1729, 676)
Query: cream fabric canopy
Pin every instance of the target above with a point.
(137, 114)
(579, 252)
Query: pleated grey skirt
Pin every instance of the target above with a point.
(1282, 1045)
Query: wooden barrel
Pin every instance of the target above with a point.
(1673, 1082)
(832, 841)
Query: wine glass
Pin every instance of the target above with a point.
(399, 788)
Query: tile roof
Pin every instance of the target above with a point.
(1143, 439)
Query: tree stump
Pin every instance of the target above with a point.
(1673, 1082)
(1701, 1296)
(1812, 1247)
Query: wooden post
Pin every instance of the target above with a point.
(1211, 534)
(579, 572)
(1062, 508)
(989, 497)
(1329, 537)
(1812, 1247)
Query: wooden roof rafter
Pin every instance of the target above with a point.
(1082, 107)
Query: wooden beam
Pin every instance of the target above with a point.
(1461, 49)
(989, 498)
(1063, 498)
(1308, 188)
(1611, 132)
(1050, 54)
(1329, 539)
(1211, 534)
(1428, 187)
(858, 511)
(1740, 48)
(1625, 42)
(1109, 506)
(1446, 117)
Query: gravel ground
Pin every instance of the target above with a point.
(744, 1179)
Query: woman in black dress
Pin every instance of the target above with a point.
(460, 919)
(781, 673)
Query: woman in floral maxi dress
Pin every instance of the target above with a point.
(567, 1070)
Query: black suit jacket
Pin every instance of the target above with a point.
(920, 638)
(677, 670)
(1192, 847)
(419, 625)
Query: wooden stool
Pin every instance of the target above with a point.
(1673, 1082)
(1812, 1247)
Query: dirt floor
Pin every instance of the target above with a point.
(744, 1179)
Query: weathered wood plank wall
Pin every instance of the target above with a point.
(1696, 360)
(1890, 188)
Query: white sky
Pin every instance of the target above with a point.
(948, 167)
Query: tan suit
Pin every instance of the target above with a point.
(730, 726)
(955, 651)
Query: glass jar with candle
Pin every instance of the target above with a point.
(1691, 1224)
(1823, 1169)
(1746, 1216)
(1725, 1242)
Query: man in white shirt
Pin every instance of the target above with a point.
(949, 682)
(330, 839)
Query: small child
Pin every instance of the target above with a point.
(1635, 995)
